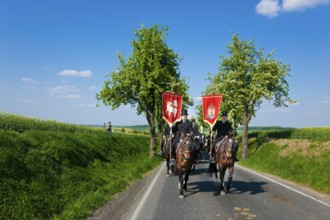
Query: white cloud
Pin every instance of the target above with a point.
(27, 100)
(275, 110)
(326, 102)
(268, 8)
(87, 105)
(29, 80)
(66, 91)
(72, 96)
(84, 73)
(272, 8)
(62, 89)
(91, 88)
(300, 5)
(198, 98)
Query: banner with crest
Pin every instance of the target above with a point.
(211, 107)
(172, 106)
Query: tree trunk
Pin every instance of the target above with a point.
(160, 134)
(246, 120)
(151, 123)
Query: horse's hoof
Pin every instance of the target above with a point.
(222, 193)
(167, 175)
(181, 196)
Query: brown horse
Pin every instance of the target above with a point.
(225, 159)
(167, 147)
(184, 160)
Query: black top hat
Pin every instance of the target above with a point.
(184, 112)
(224, 114)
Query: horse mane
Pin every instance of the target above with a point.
(184, 135)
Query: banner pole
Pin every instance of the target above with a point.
(170, 142)
(211, 144)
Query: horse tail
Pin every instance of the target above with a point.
(212, 169)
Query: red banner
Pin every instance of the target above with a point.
(211, 107)
(172, 105)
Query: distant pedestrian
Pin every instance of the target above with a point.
(109, 127)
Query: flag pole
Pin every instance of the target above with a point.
(211, 144)
(170, 142)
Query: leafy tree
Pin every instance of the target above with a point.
(140, 80)
(247, 77)
(200, 119)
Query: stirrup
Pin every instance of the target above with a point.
(172, 161)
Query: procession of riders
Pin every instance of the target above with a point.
(201, 143)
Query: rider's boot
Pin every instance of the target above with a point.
(213, 160)
(173, 159)
(196, 159)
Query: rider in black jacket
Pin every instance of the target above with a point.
(222, 128)
(183, 126)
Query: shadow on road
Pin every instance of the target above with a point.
(211, 184)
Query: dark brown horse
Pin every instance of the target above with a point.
(184, 160)
(225, 159)
(167, 147)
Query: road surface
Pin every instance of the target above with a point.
(253, 196)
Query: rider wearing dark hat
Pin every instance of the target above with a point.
(184, 126)
(222, 129)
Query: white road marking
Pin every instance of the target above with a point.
(285, 186)
(144, 199)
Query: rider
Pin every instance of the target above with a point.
(196, 138)
(222, 128)
(184, 126)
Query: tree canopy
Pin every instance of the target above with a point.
(139, 81)
(247, 77)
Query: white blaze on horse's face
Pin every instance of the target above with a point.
(229, 148)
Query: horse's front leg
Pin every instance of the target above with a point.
(181, 184)
(222, 176)
(186, 178)
(230, 178)
(168, 166)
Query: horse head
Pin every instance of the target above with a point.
(185, 151)
(232, 133)
(228, 146)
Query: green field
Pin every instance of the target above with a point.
(52, 170)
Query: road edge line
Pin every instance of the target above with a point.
(285, 186)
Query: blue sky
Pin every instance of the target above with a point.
(55, 55)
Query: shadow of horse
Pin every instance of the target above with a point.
(239, 187)
(252, 188)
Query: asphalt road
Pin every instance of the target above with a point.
(253, 196)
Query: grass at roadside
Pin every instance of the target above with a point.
(302, 161)
(66, 174)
